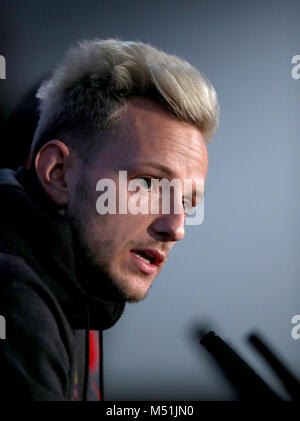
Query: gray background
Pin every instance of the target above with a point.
(238, 272)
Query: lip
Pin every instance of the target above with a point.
(158, 256)
(148, 268)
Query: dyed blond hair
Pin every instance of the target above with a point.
(88, 90)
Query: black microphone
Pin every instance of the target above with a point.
(249, 385)
(290, 382)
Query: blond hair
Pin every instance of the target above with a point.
(88, 90)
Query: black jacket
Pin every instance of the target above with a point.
(43, 296)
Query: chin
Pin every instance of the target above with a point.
(132, 293)
(137, 298)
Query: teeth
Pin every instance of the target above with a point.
(142, 257)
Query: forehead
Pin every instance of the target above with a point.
(148, 133)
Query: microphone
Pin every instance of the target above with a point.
(249, 385)
(290, 382)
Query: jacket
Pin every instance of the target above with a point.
(44, 299)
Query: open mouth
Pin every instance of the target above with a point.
(144, 256)
(147, 260)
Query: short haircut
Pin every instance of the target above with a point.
(88, 90)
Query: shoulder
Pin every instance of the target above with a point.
(23, 292)
(38, 344)
(21, 287)
(15, 266)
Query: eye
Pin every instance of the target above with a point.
(146, 182)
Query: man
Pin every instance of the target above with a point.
(67, 264)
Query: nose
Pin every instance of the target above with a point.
(168, 227)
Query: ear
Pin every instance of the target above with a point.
(51, 164)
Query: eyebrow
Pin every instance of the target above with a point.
(157, 166)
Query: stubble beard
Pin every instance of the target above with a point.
(98, 275)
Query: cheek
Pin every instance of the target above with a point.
(110, 227)
(119, 224)
(122, 229)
